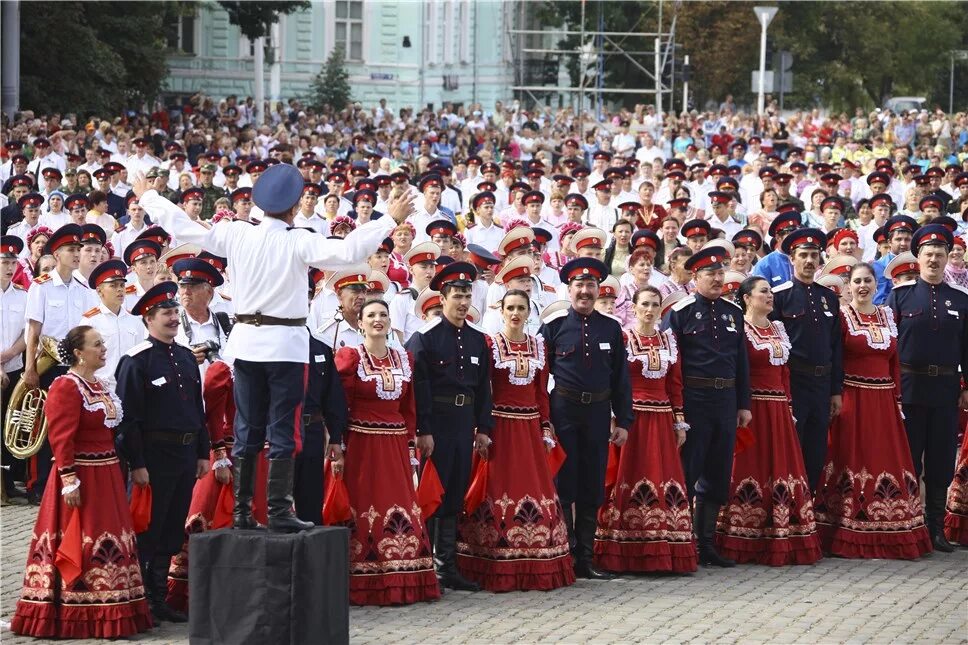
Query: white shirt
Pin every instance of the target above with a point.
(267, 265)
(199, 332)
(107, 223)
(57, 305)
(54, 221)
(314, 222)
(420, 219)
(125, 236)
(120, 332)
(322, 307)
(402, 317)
(13, 304)
(488, 237)
(20, 229)
(602, 216)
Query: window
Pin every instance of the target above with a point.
(180, 34)
(349, 28)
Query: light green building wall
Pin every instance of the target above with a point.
(459, 52)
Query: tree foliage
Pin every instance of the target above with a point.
(91, 57)
(331, 86)
(254, 19)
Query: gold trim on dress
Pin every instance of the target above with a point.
(375, 429)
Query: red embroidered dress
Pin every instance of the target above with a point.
(868, 504)
(956, 517)
(644, 524)
(516, 540)
(390, 558)
(769, 518)
(220, 419)
(107, 598)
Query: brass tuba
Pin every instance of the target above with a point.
(24, 425)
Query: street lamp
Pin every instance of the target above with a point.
(764, 15)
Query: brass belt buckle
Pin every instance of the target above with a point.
(586, 397)
(719, 383)
(459, 400)
(932, 370)
(819, 370)
(187, 439)
(257, 319)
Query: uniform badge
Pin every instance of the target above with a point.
(724, 317)
(947, 303)
(698, 315)
(732, 323)
(824, 303)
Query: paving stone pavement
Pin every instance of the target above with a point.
(835, 601)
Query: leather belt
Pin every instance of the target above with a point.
(584, 398)
(713, 383)
(181, 438)
(928, 370)
(258, 319)
(316, 417)
(802, 367)
(456, 400)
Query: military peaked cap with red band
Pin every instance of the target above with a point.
(515, 239)
(645, 238)
(75, 200)
(484, 197)
(161, 295)
(881, 198)
(533, 197)
(441, 227)
(429, 180)
(902, 263)
(575, 199)
(719, 197)
(110, 271)
(696, 227)
(520, 267)
(309, 188)
(748, 238)
(481, 257)
(240, 194)
(66, 235)
(681, 203)
(423, 252)
(93, 234)
(31, 200)
(832, 202)
(803, 238)
(878, 178)
(364, 195)
(784, 221)
(931, 201)
(386, 246)
(900, 223)
(193, 193)
(460, 274)
(931, 234)
(196, 271)
(11, 246)
(140, 249)
(630, 207)
(711, 257)
(583, 269)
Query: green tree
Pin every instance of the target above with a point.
(254, 19)
(331, 86)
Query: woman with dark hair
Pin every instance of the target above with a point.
(83, 579)
(668, 242)
(390, 557)
(27, 267)
(868, 503)
(680, 278)
(639, 269)
(516, 540)
(644, 524)
(769, 518)
(619, 249)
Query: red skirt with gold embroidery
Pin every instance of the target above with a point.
(769, 518)
(644, 524)
(956, 517)
(201, 513)
(516, 540)
(107, 600)
(390, 557)
(868, 504)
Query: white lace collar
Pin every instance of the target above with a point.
(521, 366)
(878, 332)
(99, 399)
(776, 342)
(655, 359)
(389, 379)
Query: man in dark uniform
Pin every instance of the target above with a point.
(716, 391)
(932, 328)
(163, 436)
(452, 386)
(210, 192)
(324, 412)
(811, 314)
(587, 358)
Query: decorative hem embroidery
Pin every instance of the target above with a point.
(776, 342)
(101, 399)
(392, 376)
(878, 333)
(655, 359)
(521, 366)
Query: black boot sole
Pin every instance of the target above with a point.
(287, 526)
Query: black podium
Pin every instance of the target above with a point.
(269, 588)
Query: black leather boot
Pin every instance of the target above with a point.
(569, 515)
(243, 485)
(934, 502)
(282, 519)
(586, 523)
(158, 599)
(705, 528)
(448, 574)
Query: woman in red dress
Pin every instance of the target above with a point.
(27, 266)
(83, 579)
(390, 557)
(956, 515)
(644, 524)
(769, 518)
(516, 540)
(203, 514)
(868, 504)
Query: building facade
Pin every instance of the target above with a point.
(413, 53)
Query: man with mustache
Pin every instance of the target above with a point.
(932, 336)
(586, 355)
(811, 314)
(716, 391)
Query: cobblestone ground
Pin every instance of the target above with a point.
(835, 601)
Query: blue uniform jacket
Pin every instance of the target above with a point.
(775, 267)
(325, 396)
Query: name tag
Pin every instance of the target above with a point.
(320, 358)
(604, 346)
(731, 329)
(828, 314)
(953, 313)
(777, 278)
(161, 380)
(474, 360)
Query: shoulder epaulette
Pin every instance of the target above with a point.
(549, 288)
(225, 297)
(730, 302)
(19, 286)
(128, 290)
(615, 318)
(685, 302)
(474, 326)
(326, 325)
(430, 325)
(121, 228)
(908, 283)
(90, 313)
(783, 286)
(555, 316)
(958, 287)
(137, 349)
(42, 278)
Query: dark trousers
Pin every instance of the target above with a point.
(14, 469)
(933, 436)
(42, 462)
(268, 403)
(583, 431)
(171, 472)
(307, 490)
(707, 455)
(453, 449)
(811, 407)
